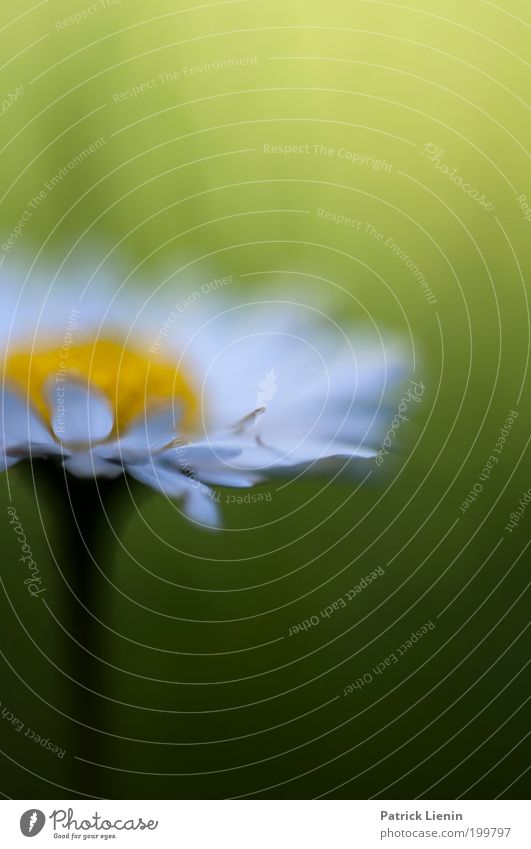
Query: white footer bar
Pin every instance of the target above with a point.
(267, 824)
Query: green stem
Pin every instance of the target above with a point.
(87, 510)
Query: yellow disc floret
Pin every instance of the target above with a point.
(132, 383)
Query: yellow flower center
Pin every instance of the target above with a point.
(132, 383)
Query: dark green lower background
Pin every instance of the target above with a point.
(273, 721)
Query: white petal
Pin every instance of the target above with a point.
(21, 426)
(230, 478)
(197, 455)
(151, 431)
(199, 504)
(169, 482)
(7, 462)
(89, 465)
(313, 449)
(146, 436)
(261, 458)
(80, 413)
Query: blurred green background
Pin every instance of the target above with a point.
(204, 693)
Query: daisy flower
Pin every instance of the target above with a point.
(191, 394)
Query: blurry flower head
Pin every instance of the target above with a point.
(220, 393)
